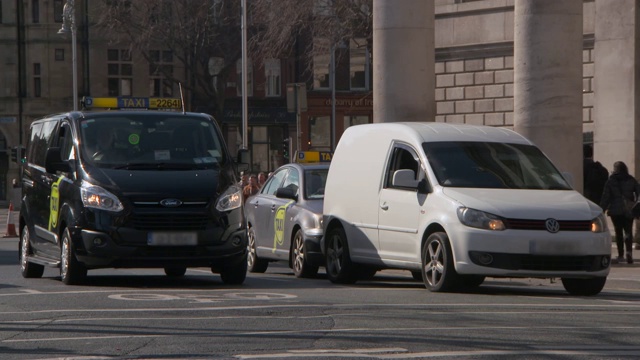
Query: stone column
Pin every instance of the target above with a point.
(403, 60)
(616, 128)
(548, 80)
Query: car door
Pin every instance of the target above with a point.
(38, 190)
(262, 207)
(399, 209)
(282, 214)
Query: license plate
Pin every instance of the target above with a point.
(172, 239)
(549, 247)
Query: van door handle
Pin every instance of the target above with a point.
(384, 206)
(273, 207)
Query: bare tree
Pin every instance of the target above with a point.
(281, 26)
(202, 35)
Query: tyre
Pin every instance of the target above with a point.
(254, 264)
(340, 269)
(584, 287)
(175, 271)
(28, 269)
(234, 273)
(72, 272)
(299, 263)
(439, 273)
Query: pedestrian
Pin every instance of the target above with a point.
(244, 179)
(252, 188)
(621, 189)
(595, 175)
(262, 178)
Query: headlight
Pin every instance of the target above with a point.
(98, 198)
(230, 199)
(480, 219)
(599, 224)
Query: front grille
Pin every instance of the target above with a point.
(154, 202)
(540, 262)
(174, 221)
(565, 225)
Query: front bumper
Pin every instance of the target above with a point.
(99, 250)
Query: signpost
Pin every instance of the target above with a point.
(297, 102)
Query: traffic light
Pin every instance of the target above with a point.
(285, 148)
(14, 154)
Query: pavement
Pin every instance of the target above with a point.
(6, 219)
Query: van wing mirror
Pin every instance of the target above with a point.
(404, 178)
(53, 161)
(243, 160)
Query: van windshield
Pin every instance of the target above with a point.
(150, 141)
(492, 165)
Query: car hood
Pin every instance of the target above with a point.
(167, 183)
(527, 204)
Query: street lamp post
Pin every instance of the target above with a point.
(69, 26)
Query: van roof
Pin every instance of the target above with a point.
(436, 131)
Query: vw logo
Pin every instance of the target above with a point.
(170, 202)
(552, 225)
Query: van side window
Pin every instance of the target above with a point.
(34, 135)
(401, 158)
(42, 139)
(65, 142)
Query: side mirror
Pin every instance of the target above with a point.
(404, 178)
(243, 160)
(53, 161)
(286, 193)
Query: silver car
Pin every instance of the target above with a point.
(285, 219)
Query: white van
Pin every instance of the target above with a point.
(455, 204)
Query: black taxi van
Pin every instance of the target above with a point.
(130, 189)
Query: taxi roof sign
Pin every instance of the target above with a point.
(313, 156)
(129, 102)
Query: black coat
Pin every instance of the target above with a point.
(617, 186)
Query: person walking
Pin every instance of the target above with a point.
(620, 189)
(595, 175)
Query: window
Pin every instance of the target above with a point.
(292, 181)
(160, 73)
(359, 65)
(119, 72)
(37, 81)
(321, 62)
(35, 11)
(402, 158)
(320, 133)
(355, 120)
(249, 77)
(37, 87)
(272, 74)
(274, 182)
(59, 55)
(58, 8)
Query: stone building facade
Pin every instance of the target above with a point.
(473, 75)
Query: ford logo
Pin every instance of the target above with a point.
(552, 225)
(170, 202)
